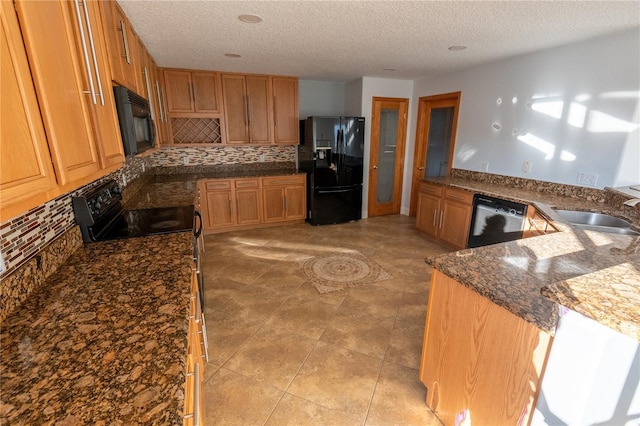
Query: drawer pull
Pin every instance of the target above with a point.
(435, 215)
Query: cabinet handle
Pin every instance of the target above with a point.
(237, 207)
(85, 53)
(93, 53)
(230, 209)
(204, 339)
(192, 94)
(196, 407)
(286, 204)
(159, 102)
(435, 215)
(441, 217)
(145, 71)
(164, 104)
(125, 43)
(275, 112)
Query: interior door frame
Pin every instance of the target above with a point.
(425, 105)
(373, 208)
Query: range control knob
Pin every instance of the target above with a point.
(115, 190)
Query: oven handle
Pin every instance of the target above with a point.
(198, 232)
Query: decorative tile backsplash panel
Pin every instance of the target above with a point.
(178, 156)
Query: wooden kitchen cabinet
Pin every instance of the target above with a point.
(284, 198)
(77, 107)
(444, 213)
(26, 171)
(244, 203)
(194, 383)
(286, 128)
(247, 109)
(122, 43)
(478, 356)
(192, 92)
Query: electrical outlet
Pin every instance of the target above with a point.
(262, 158)
(526, 167)
(585, 178)
(2, 265)
(185, 160)
(485, 166)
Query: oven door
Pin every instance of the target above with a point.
(198, 250)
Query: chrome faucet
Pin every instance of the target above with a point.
(632, 202)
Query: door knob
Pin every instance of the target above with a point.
(420, 168)
(375, 167)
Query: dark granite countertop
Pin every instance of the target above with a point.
(176, 186)
(104, 339)
(594, 273)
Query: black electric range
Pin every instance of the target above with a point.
(101, 216)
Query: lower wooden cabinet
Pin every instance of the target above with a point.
(479, 358)
(231, 204)
(194, 383)
(444, 213)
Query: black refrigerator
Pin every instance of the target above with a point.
(331, 152)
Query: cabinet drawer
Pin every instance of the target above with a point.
(283, 180)
(427, 188)
(212, 185)
(247, 183)
(459, 195)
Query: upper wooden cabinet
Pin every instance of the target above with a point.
(65, 46)
(247, 108)
(122, 43)
(26, 172)
(285, 110)
(192, 92)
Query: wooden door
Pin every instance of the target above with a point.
(104, 110)
(285, 110)
(259, 109)
(236, 121)
(206, 92)
(26, 172)
(437, 122)
(386, 160)
(59, 80)
(295, 202)
(178, 88)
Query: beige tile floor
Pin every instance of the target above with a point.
(283, 354)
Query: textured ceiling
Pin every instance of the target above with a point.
(343, 40)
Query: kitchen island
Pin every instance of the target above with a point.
(493, 310)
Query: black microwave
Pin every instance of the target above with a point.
(136, 125)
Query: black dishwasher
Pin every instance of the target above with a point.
(495, 221)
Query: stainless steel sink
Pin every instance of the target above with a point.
(597, 222)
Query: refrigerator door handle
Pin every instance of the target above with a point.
(335, 191)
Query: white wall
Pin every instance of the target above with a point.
(353, 103)
(384, 87)
(321, 98)
(575, 110)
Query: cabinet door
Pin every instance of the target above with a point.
(206, 92)
(120, 44)
(26, 172)
(285, 110)
(248, 201)
(273, 204)
(235, 108)
(139, 64)
(219, 209)
(295, 202)
(59, 80)
(456, 222)
(259, 107)
(104, 111)
(178, 87)
(428, 214)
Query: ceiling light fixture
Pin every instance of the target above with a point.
(456, 48)
(232, 55)
(250, 19)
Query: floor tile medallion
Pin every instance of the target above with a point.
(338, 270)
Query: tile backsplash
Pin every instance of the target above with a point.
(178, 156)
